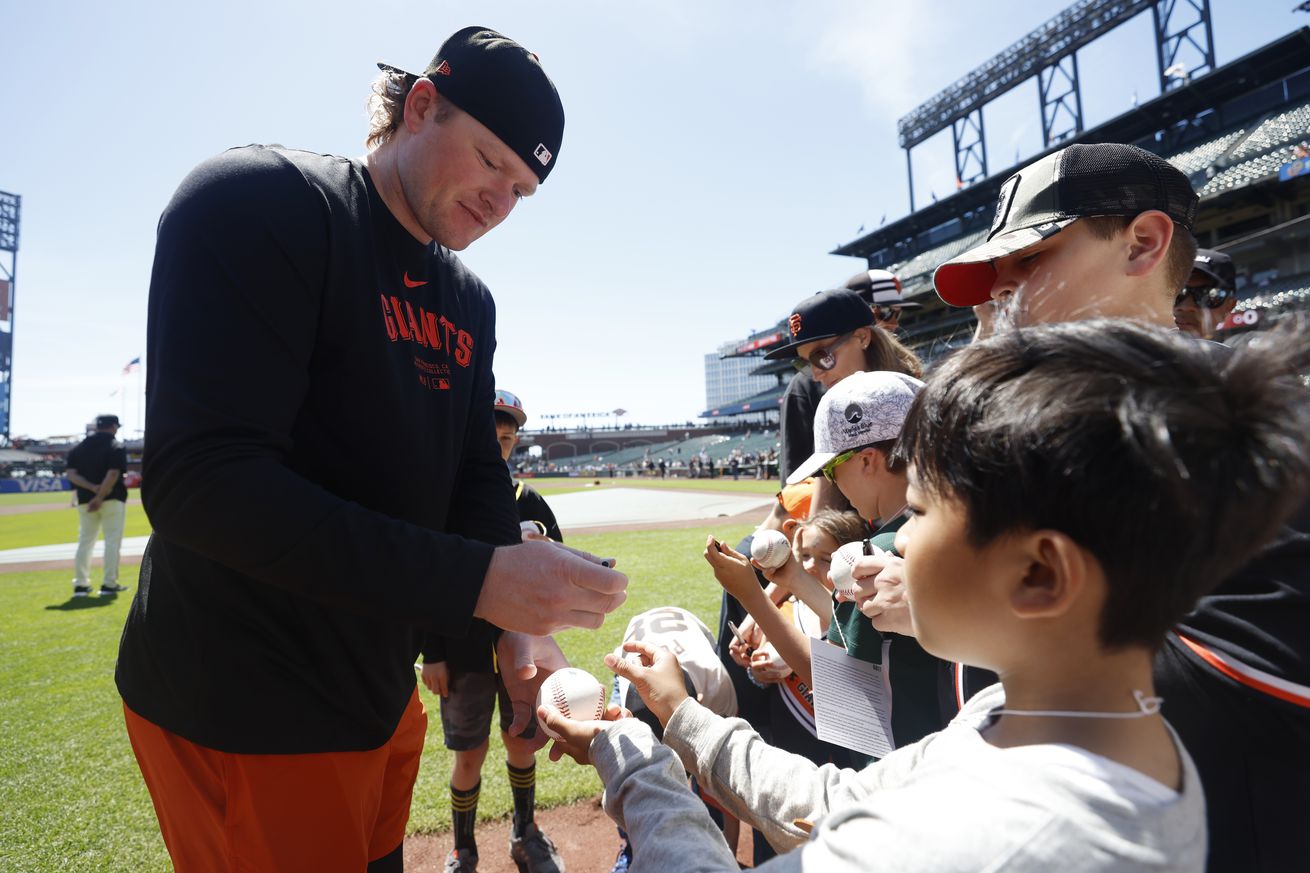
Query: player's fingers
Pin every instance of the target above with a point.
(522, 713)
(588, 556)
(583, 618)
(594, 577)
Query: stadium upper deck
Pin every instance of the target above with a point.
(1234, 131)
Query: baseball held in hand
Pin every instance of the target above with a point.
(842, 571)
(575, 693)
(770, 548)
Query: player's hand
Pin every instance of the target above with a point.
(94, 504)
(436, 676)
(544, 587)
(525, 662)
(577, 735)
(734, 570)
(657, 676)
(880, 593)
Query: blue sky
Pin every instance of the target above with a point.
(714, 154)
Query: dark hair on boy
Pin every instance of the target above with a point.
(506, 419)
(1170, 461)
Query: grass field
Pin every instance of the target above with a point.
(72, 794)
(59, 526)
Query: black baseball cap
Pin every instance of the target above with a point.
(1217, 266)
(107, 421)
(826, 314)
(1044, 198)
(502, 85)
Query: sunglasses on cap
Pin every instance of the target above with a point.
(824, 359)
(1209, 296)
(829, 469)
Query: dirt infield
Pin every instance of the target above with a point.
(583, 833)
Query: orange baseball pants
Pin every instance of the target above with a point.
(330, 811)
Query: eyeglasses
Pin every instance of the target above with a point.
(829, 469)
(887, 313)
(822, 360)
(1209, 296)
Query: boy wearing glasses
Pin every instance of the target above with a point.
(855, 430)
(1104, 230)
(1209, 295)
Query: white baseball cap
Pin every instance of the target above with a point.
(860, 410)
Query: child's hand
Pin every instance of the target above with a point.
(436, 676)
(733, 569)
(880, 593)
(768, 665)
(657, 678)
(577, 735)
(750, 632)
(784, 575)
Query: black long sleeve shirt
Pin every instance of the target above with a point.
(321, 467)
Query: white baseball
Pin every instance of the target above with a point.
(770, 548)
(843, 566)
(575, 693)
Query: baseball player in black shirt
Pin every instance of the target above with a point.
(306, 310)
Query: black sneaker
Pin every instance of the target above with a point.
(81, 590)
(462, 861)
(110, 589)
(534, 852)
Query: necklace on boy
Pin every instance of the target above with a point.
(1146, 706)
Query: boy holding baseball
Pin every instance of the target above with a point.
(1072, 493)
(469, 687)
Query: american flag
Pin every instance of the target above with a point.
(132, 365)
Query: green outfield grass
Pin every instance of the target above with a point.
(72, 794)
(59, 525)
(59, 498)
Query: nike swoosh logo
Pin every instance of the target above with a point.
(410, 283)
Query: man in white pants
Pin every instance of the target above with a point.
(96, 468)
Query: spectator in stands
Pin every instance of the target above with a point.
(466, 680)
(882, 291)
(832, 336)
(96, 468)
(1209, 295)
(1105, 230)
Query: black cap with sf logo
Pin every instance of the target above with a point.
(826, 314)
